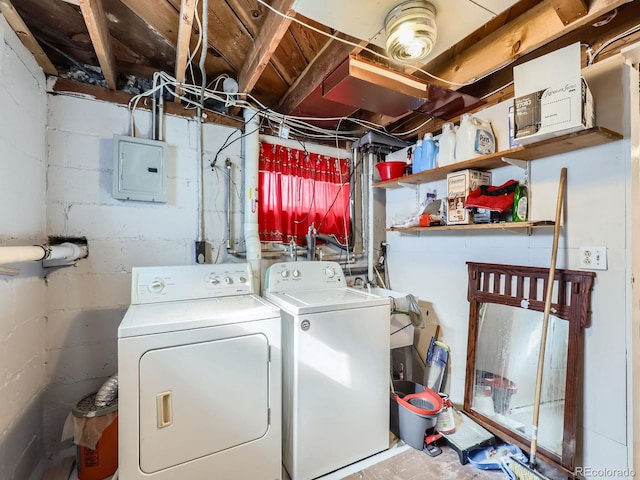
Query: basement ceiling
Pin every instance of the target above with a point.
(364, 19)
(107, 48)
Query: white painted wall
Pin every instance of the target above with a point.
(432, 265)
(22, 221)
(85, 304)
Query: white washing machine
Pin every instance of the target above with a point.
(335, 359)
(199, 367)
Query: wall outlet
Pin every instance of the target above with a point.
(593, 258)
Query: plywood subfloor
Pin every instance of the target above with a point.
(416, 465)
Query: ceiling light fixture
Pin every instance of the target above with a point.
(411, 30)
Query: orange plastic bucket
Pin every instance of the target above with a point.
(101, 462)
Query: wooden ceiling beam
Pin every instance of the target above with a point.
(22, 31)
(164, 20)
(529, 31)
(94, 17)
(185, 30)
(328, 59)
(273, 29)
(570, 10)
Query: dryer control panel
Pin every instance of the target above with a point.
(291, 276)
(190, 282)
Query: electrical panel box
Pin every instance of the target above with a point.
(139, 169)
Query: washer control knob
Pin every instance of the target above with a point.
(330, 272)
(213, 280)
(228, 280)
(156, 285)
(296, 273)
(284, 273)
(242, 280)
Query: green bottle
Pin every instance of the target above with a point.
(521, 204)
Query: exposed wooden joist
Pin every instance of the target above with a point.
(17, 24)
(187, 11)
(268, 39)
(65, 86)
(94, 17)
(570, 10)
(529, 31)
(163, 19)
(332, 54)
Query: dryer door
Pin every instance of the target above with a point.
(203, 398)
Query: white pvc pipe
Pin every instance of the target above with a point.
(21, 254)
(67, 251)
(251, 154)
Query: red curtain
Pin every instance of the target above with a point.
(298, 189)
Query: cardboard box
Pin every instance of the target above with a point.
(459, 185)
(551, 97)
(557, 110)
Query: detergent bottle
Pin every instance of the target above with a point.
(465, 138)
(417, 158)
(447, 146)
(484, 140)
(429, 151)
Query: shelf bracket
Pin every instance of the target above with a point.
(412, 186)
(518, 163)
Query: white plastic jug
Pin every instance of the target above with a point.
(447, 145)
(465, 138)
(484, 142)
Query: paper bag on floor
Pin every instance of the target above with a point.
(87, 431)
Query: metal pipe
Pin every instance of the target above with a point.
(228, 165)
(251, 157)
(370, 213)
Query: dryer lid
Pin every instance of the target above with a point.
(155, 318)
(325, 300)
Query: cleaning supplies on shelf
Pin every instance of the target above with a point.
(474, 138)
(465, 138)
(447, 146)
(485, 141)
(424, 155)
(429, 151)
(521, 203)
(411, 157)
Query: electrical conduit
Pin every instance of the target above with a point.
(251, 154)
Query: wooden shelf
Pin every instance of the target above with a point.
(476, 226)
(545, 148)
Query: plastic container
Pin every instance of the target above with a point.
(521, 204)
(390, 170)
(414, 409)
(484, 140)
(101, 462)
(417, 164)
(429, 152)
(447, 146)
(465, 138)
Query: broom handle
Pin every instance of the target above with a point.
(545, 319)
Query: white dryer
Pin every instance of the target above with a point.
(199, 367)
(335, 347)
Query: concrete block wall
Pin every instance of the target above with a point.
(85, 304)
(22, 217)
